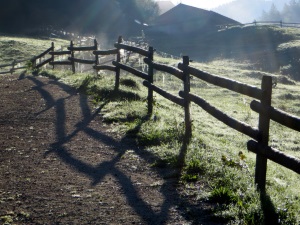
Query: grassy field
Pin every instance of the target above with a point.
(219, 168)
(19, 48)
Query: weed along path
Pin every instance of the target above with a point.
(60, 164)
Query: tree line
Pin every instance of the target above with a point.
(81, 16)
(290, 13)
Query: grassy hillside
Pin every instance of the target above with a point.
(267, 48)
(19, 48)
(216, 172)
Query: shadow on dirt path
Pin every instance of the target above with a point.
(151, 196)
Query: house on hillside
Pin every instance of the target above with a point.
(164, 6)
(184, 19)
(187, 30)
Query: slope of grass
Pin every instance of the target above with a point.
(219, 169)
(19, 48)
(269, 48)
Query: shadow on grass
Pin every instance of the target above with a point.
(270, 215)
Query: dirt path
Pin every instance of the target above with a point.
(59, 164)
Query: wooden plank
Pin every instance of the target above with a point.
(5, 72)
(86, 48)
(60, 53)
(72, 56)
(232, 85)
(19, 68)
(6, 65)
(105, 67)
(132, 49)
(165, 94)
(61, 63)
(275, 155)
(277, 115)
(82, 61)
(218, 114)
(118, 70)
(150, 79)
(131, 70)
(23, 60)
(263, 127)
(43, 63)
(168, 69)
(106, 52)
(43, 54)
(187, 104)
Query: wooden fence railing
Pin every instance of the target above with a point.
(263, 23)
(259, 144)
(14, 66)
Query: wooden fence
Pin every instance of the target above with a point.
(265, 23)
(13, 66)
(260, 136)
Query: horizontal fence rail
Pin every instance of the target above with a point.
(164, 68)
(167, 95)
(275, 155)
(223, 82)
(184, 98)
(137, 50)
(277, 115)
(265, 23)
(131, 70)
(14, 66)
(218, 114)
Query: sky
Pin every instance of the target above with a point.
(204, 4)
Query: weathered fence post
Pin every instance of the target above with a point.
(33, 62)
(187, 103)
(96, 55)
(263, 126)
(12, 70)
(150, 79)
(117, 82)
(187, 113)
(72, 56)
(52, 56)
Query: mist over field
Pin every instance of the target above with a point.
(247, 11)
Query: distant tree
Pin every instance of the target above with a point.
(148, 9)
(290, 12)
(264, 15)
(274, 14)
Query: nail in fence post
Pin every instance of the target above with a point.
(187, 113)
(263, 126)
(150, 79)
(117, 82)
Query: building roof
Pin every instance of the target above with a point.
(164, 6)
(184, 13)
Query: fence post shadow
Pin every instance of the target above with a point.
(269, 210)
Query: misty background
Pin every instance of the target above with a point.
(114, 17)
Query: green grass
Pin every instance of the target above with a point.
(219, 169)
(19, 48)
